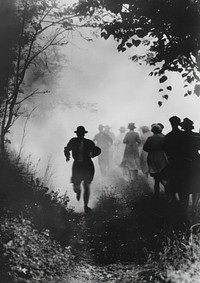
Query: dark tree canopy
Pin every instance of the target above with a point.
(169, 30)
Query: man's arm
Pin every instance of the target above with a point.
(95, 150)
(67, 150)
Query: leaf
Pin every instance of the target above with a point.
(190, 79)
(180, 70)
(105, 35)
(159, 103)
(163, 79)
(197, 89)
(169, 87)
(165, 96)
(136, 42)
(129, 44)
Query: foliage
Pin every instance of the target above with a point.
(128, 224)
(36, 29)
(22, 191)
(29, 254)
(37, 227)
(167, 30)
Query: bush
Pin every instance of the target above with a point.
(28, 254)
(37, 227)
(128, 223)
(22, 192)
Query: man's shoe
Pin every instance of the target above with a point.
(87, 209)
(78, 195)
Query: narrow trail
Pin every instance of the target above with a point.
(112, 273)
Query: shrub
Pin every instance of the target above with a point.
(128, 223)
(23, 192)
(28, 254)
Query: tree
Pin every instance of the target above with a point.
(28, 29)
(168, 29)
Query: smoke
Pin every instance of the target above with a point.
(98, 86)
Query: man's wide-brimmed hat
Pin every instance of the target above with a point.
(131, 126)
(187, 123)
(80, 129)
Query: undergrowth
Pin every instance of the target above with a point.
(41, 236)
(37, 226)
(129, 225)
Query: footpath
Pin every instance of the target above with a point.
(112, 273)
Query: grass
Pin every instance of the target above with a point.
(36, 226)
(41, 237)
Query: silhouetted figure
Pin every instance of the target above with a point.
(173, 150)
(172, 140)
(83, 168)
(107, 130)
(190, 146)
(130, 162)
(145, 133)
(104, 142)
(119, 146)
(156, 159)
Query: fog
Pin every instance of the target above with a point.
(97, 86)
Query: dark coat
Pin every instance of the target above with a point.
(90, 150)
(82, 170)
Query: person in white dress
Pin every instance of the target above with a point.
(119, 147)
(131, 163)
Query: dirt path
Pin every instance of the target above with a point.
(113, 273)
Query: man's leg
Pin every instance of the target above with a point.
(86, 196)
(77, 190)
(156, 186)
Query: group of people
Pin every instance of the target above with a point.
(172, 159)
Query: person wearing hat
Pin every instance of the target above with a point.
(190, 145)
(104, 142)
(83, 150)
(145, 133)
(156, 159)
(130, 162)
(172, 147)
(119, 146)
(173, 139)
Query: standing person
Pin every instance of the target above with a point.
(104, 142)
(107, 130)
(83, 168)
(119, 146)
(191, 162)
(145, 133)
(156, 159)
(173, 149)
(130, 162)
